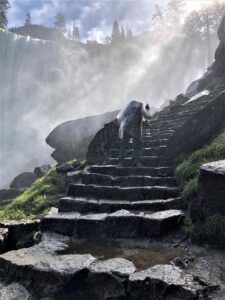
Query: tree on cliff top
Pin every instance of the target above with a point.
(60, 22)
(27, 19)
(116, 36)
(4, 6)
(76, 34)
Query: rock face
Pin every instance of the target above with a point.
(71, 139)
(219, 65)
(199, 129)
(98, 149)
(210, 200)
(24, 180)
(215, 76)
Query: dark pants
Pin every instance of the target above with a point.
(136, 137)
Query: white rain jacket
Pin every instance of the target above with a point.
(130, 118)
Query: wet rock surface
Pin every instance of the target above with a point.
(82, 276)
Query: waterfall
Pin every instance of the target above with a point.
(46, 83)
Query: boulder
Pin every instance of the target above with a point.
(71, 139)
(9, 194)
(42, 170)
(210, 199)
(24, 180)
(163, 282)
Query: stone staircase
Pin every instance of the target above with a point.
(108, 201)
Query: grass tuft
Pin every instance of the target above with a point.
(37, 200)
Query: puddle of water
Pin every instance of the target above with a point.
(142, 256)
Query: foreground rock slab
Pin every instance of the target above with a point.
(47, 271)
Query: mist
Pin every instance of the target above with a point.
(46, 83)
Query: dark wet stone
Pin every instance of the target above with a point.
(179, 262)
(10, 194)
(14, 291)
(210, 199)
(42, 170)
(20, 233)
(4, 232)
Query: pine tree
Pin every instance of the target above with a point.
(116, 32)
(60, 22)
(69, 34)
(129, 34)
(122, 36)
(158, 16)
(27, 19)
(4, 6)
(76, 34)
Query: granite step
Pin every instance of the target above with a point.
(156, 142)
(126, 181)
(84, 205)
(148, 151)
(131, 171)
(156, 135)
(125, 193)
(148, 161)
(120, 224)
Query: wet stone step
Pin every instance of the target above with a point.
(148, 161)
(125, 193)
(159, 126)
(156, 135)
(157, 130)
(126, 181)
(83, 205)
(149, 151)
(120, 224)
(127, 171)
(145, 144)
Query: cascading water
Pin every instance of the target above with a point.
(46, 83)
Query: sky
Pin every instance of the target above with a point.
(93, 17)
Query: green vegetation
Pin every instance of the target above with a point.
(36, 201)
(211, 230)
